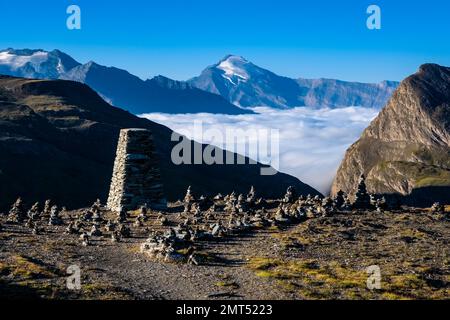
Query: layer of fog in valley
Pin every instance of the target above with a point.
(312, 142)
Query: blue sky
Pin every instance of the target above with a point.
(179, 38)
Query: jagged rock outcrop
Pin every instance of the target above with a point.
(406, 149)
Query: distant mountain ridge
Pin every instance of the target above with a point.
(36, 63)
(243, 83)
(117, 86)
(230, 86)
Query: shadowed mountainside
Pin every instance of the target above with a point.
(159, 94)
(58, 140)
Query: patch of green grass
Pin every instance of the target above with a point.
(432, 174)
(227, 284)
(415, 270)
(24, 268)
(100, 291)
(392, 296)
(263, 263)
(315, 281)
(265, 274)
(412, 234)
(293, 238)
(331, 280)
(405, 281)
(273, 228)
(183, 251)
(440, 181)
(25, 276)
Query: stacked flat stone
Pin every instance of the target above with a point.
(290, 195)
(347, 206)
(340, 199)
(17, 213)
(47, 208)
(34, 213)
(136, 178)
(380, 204)
(251, 196)
(241, 205)
(54, 219)
(362, 197)
(188, 200)
(437, 208)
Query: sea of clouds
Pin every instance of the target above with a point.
(312, 142)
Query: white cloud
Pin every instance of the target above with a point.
(312, 141)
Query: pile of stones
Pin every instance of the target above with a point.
(202, 218)
(33, 217)
(168, 247)
(34, 213)
(17, 213)
(362, 197)
(233, 214)
(89, 224)
(47, 208)
(54, 219)
(438, 208)
(290, 195)
(380, 204)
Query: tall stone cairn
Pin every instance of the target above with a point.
(136, 179)
(362, 197)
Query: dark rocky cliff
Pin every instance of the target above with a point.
(406, 149)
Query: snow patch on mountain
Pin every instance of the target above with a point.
(234, 68)
(253, 86)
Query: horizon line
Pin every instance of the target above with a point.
(208, 66)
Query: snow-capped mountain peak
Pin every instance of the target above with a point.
(234, 68)
(35, 63)
(245, 84)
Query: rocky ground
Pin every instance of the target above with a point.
(322, 257)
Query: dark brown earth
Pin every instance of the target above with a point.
(321, 258)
